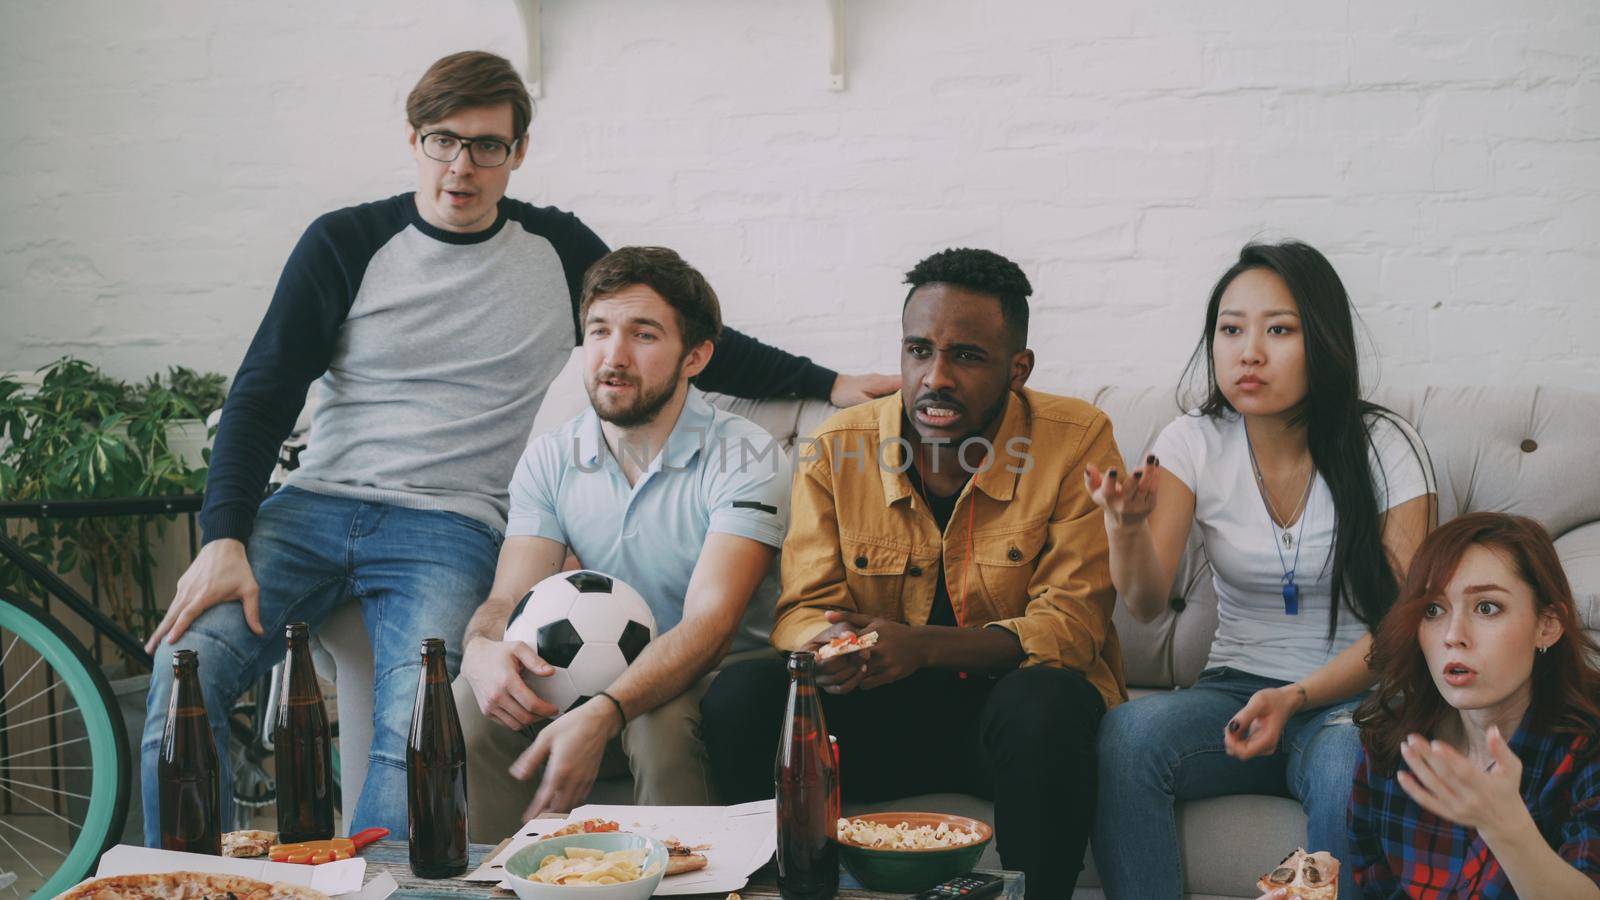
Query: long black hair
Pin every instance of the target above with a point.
(1333, 413)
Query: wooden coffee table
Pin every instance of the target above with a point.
(394, 858)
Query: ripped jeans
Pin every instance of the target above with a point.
(1158, 750)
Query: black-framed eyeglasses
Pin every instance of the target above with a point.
(445, 147)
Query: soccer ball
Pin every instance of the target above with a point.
(589, 626)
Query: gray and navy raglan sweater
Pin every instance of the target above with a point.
(433, 350)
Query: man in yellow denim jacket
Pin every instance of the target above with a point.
(952, 520)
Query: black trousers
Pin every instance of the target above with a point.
(1025, 740)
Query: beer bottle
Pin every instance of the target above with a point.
(191, 795)
(436, 773)
(302, 746)
(808, 804)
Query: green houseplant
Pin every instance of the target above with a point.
(82, 435)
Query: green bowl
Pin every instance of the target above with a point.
(526, 861)
(910, 871)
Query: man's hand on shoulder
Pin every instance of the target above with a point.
(221, 572)
(494, 670)
(848, 390)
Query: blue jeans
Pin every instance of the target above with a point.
(1158, 750)
(417, 573)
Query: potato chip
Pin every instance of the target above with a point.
(584, 865)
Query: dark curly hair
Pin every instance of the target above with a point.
(985, 272)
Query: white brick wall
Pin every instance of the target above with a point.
(159, 158)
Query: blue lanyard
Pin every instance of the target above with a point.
(1291, 591)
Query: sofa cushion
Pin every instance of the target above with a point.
(1579, 550)
(1515, 450)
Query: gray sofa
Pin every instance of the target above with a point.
(1518, 450)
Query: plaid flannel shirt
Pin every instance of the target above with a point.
(1398, 849)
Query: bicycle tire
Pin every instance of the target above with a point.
(107, 736)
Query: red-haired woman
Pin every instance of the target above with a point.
(1480, 776)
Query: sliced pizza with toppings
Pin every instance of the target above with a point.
(683, 858)
(188, 886)
(247, 843)
(587, 826)
(846, 643)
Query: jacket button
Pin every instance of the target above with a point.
(1013, 554)
(1530, 445)
(1178, 603)
(915, 571)
(861, 562)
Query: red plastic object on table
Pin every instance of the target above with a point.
(318, 852)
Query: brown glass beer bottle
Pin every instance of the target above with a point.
(808, 805)
(191, 796)
(303, 746)
(436, 773)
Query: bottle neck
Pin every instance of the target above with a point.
(434, 670)
(186, 692)
(436, 737)
(805, 729)
(300, 674)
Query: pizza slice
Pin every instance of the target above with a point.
(188, 886)
(247, 843)
(683, 858)
(587, 826)
(1307, 876)
(846, 643)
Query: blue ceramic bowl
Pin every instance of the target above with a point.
(526, 861)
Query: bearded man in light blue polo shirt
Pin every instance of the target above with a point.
(653, 485)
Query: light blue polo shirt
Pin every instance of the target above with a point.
(717, 473)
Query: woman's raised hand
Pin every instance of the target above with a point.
(1127, 499)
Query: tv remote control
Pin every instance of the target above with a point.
(965, 887)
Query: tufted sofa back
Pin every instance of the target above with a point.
(1527, 451)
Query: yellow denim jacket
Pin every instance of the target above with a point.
(861, 538)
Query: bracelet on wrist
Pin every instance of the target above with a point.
(621, 716)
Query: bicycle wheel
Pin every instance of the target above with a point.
(63, 807)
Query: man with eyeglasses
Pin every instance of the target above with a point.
(433, 322)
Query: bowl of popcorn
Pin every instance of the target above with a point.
(906, 852)
(600, 866)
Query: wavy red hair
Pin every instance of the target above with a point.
(1406, 701)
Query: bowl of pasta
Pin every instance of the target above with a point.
(600, 866)
(907, 852)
